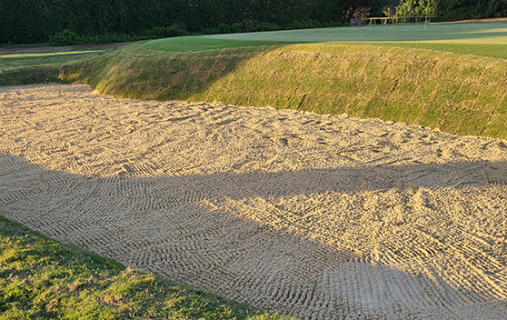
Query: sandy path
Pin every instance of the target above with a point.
(313, 216)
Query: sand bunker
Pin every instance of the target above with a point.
(313, 216)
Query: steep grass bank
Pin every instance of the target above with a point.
(463, 94)
(457, 93)
(43, 279)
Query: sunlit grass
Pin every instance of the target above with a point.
(385, 33)
(42, 55)
(199, 43)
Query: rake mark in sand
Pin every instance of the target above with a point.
(313, 216)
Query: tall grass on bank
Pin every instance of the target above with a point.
(43, 279)
(456, 93)
(462, 94)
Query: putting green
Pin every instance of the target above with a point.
(484, 39)
(491, 33)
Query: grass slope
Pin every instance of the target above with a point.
(456, 86)
(463, 94)
(43, 279)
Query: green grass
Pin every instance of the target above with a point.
(483, 39)
(43, 279)
(492, 33)
(485, 50)
(197, 43)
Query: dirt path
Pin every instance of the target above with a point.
(312, 216)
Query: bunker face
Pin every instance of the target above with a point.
(313, 216)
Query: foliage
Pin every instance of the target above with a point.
(451, 10)
(378, 7)
(64, 38)
(42, 279)
(24, 21)
(413, 8)
(161, 32)
(110, 38)
(365, 8)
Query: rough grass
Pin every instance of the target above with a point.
(43, 279)
(463, 94)
(456, 93)
(457, 86)
(57, 57)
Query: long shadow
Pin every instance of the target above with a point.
(243, 235)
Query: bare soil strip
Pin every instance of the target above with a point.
(313, 216)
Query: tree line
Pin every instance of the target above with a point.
(30, 21)
(454, 10)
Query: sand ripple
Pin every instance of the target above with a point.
(313, 216)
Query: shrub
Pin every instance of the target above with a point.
(210, 31)
(237, 27)
(163, 32)
(64, 38)
(266, 26)
(224, 28)
(306, 24)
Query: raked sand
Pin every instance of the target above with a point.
(312, 216)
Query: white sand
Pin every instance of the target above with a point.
(313, 216)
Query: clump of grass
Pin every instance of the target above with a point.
(43, 279)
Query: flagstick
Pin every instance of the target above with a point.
(427, 9)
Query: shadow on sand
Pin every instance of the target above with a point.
(207, 231)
